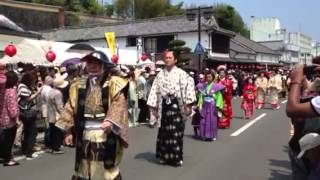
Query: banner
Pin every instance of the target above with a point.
(111, 38)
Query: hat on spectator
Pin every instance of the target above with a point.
(59, 82)
(307, 142)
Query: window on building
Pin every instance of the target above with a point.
(294, 54)
(220, 43)
(131, 41)
(150, 45)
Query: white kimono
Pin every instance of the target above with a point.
(177, 83)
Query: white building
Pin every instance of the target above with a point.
(262, 28)
(295, 46)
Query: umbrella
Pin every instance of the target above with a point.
(70, 61)
(81, 48)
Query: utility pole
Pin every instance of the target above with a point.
(199, 36)
(198, 12)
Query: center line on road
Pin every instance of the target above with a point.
(285, 101)
(243, 128)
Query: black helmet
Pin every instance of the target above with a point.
(101, 56)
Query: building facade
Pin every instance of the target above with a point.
(294, 46)
(153, 35)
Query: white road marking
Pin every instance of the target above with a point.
(285, 101)
(246, 126)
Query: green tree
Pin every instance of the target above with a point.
(228, 18)
(50, 2)
(146, 9)
(179, 48)
(109, 10)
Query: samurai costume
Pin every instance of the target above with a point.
(93, 101)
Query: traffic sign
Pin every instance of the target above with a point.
(199, 50)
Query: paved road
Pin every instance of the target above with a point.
(258, 153)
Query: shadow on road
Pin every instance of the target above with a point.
(147, 156)
(193, 137)
(282, 169)
(279, 175)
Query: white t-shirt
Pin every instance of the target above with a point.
(315, 102)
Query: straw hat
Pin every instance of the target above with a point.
(59, 82)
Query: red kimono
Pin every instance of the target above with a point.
(225, 121)
(248, 101)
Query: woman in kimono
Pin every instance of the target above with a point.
(249, 96)
(171, 98)
(275, 86)
(225, 121)
(210, 102)
(262, 85)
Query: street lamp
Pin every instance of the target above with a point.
(192, 13)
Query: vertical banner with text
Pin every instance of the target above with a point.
(110, 37)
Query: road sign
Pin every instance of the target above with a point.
(199, 50)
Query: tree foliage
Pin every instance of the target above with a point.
(83, 6)
(179, 48)
(228, 18)
(142, 9)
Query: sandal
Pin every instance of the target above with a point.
(11, 163)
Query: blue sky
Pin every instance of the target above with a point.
(294, 15)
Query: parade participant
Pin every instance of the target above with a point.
(225, 121)
(97, 112)
(275, 86)
(249, 96)
(171, 98)
(210, 102)
(262, 85)
(197, 116)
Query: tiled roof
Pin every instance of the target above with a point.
(239, 48)
(10, 28)
(155, 26)
(254, 46)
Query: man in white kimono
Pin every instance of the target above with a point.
(170, 100)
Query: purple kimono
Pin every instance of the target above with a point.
(211, 98)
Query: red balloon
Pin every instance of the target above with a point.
(10, 50)
(144, 57)
(115, 59)
(51, 56)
